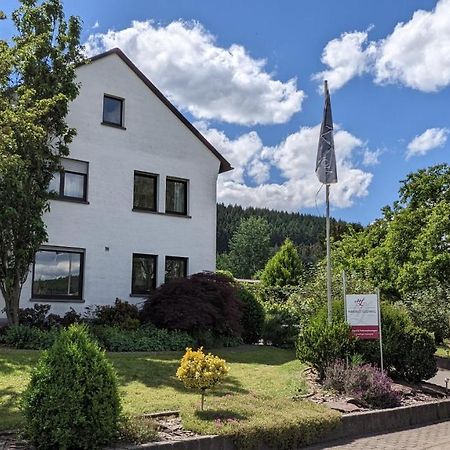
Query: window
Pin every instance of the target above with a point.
(176, 196)
(176, 267)
(143, 277)
(113, 110)
(145, 191)
(58, 274)
(71, 182)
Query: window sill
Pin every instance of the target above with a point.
(146, 211)
(139, 295)
(57, 300)
(70, 200)
(113, 125)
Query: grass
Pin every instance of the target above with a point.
(443, 350)
(257, 394)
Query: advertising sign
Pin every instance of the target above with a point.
(362, 315)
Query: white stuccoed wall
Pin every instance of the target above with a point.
(155, 141)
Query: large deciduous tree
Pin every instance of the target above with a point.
(408, 248)
(37, 83)
(249, 248)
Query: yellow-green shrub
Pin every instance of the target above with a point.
(201, 371)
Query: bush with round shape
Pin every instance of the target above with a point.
(204, 301)
(72, 400)
(200, 371)
(408, 350)
(320, 343)
(253, 315)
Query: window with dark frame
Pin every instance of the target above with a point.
(71, 182)
(143, 276)
(176, 267)
(113, 110)
(58, 274)
(176, 196)
(145, 191)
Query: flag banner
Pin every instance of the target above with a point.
(362, 315)
(326, 157)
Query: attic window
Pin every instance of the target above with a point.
(112, 111)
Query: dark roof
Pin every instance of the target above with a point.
(224, 164)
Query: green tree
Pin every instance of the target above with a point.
(249, 248)
(37, 82)
(285, 268)
(409, 246)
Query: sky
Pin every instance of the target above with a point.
(249, 75)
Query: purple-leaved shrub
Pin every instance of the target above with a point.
(365, 383)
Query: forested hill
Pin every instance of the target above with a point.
(305, 230)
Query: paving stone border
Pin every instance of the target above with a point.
(351, 426)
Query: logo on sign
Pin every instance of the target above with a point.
(360, 302)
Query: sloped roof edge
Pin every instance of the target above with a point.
(225, 166)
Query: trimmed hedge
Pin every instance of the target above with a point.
(114, 339)
(143, 339)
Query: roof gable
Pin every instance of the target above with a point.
(224, 164)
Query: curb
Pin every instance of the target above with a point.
(392, 419)
(442, 363)
(352, 426)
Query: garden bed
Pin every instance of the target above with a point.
(410, 394)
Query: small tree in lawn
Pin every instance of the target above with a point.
(200, 371)
(37, 82)
(285, 268)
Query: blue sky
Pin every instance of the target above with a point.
(248, 75)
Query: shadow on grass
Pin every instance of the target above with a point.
(221, 414)
(257, 354)
(12, 360)
(11, 417)
(154, 372)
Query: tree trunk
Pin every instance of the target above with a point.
(12, 298)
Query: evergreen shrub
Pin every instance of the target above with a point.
(72, 400)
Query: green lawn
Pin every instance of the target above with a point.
(443, 350)
(258, 391)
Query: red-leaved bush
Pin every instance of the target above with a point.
(204, 301)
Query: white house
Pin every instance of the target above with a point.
(136, 200)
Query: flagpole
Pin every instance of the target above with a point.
(327, 174)
(329, 303)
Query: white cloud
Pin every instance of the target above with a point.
(294, 159)
(416, 54)
(428, 140)
(96, 25)
(371, 158)
(210, 81)
(346, 58)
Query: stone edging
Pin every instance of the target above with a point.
(442, 363)
(351, 426)
(392, 419)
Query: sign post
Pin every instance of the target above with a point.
(363, 314)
